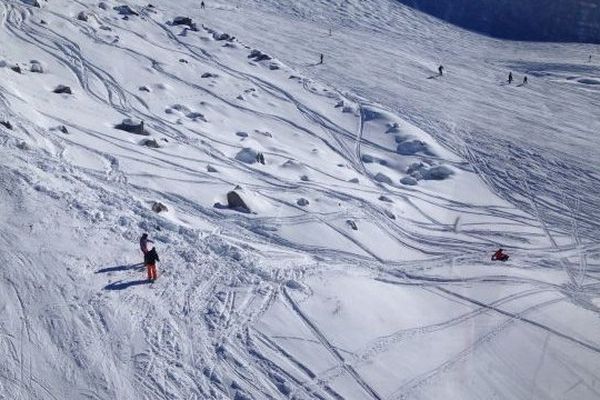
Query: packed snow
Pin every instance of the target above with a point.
(325, 230)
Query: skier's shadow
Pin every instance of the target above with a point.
(120, 285)
(436, 76)
(120, 268)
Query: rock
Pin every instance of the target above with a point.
(240, 97)
(354, 180)
(125, 10)
(210, 168)
(150, 143)
(159, 207)
(43, 22)
(36, 67)
(102, 5)
(23, 146)
(62, 89)
(241, 134)
(383, 178)
(132, 126)
(63, 129)
(144, 89)
(235, 202)
(17, 69)
(183, 60)
(247, 155)
(6, 124)
(221, 36)
(82, 16)
(389, 214)
(34, 3)
(183, 21)
(208, 75)
(274, 66)
(352, 224)
(302, 202)
(385, 198)
(411, 147)
(258, 55)
(408, 181)
(437, 173)
(304, 178)
(366, 158)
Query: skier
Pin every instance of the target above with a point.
(499, 256)
(144, 243)
(441, 70)
(202, 5)
(321, 60)
(590, 58)
(510, 78)
(524, 80)
(150, 259)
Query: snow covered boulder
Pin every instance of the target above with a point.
(235, 202)
(133, 126)
(183, 21)
(222, 36)
(302, 202)
(16, 69)
(153, 143)
(125, 10)
(247, 155)
(62, 89)
(34, 3)
(6, 124)
(437, 173)
(383, 178)
(410, 147)
(208, 75)
(102, 5)
(159, 207)
(352, 224)
(408, 181)
(258, 55)
(36, 67)
(82, 16)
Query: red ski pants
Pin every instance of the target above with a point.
(151, 271)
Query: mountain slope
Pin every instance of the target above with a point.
(362, 271)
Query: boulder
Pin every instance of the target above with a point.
(222, 36)
(144, 89)
(411, 147)
(385, 199)
(159, 207)
(102, 5)
(247, 155)
(63, 129)
(34, 3)
(82, 16)
(258, 55)
(235, 202)
(36, 67)
(352, 224)
(16, 69)
(62, 89)
(302, 202)
(183, 21)
(132, 126)
(125, 10)
(208, 75)
(211, 169)
(150, 143)
(437, 173)
(408, 181)
(6, 124)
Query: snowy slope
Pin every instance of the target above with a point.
(362, 271)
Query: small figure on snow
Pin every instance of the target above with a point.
(202, 6)
(321, 59)
(150, 259)
(510, 78)
(524, 80)
(144, 243)
(499, 256)
(590, 58)
(260, 157)
(441, 70)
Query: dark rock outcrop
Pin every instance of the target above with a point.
(62, 89)
(132, 126)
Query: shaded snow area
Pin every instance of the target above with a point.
(324, 230)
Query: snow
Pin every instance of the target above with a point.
(362, 270)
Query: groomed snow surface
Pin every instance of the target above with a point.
(374, 193)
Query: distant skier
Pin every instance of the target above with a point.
(441, 70)
(524, 80)
(590, 58)
(321, 59)
(150, 259)
(510, 78)
(499, 256)
(202, 5)
(144, 243)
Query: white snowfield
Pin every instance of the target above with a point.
(363, 270)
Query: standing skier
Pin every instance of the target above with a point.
(202, 5)
(441, 70)
(525, 80)
(144, 243)
(321, 59)
(510, 78)
(150, 259)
